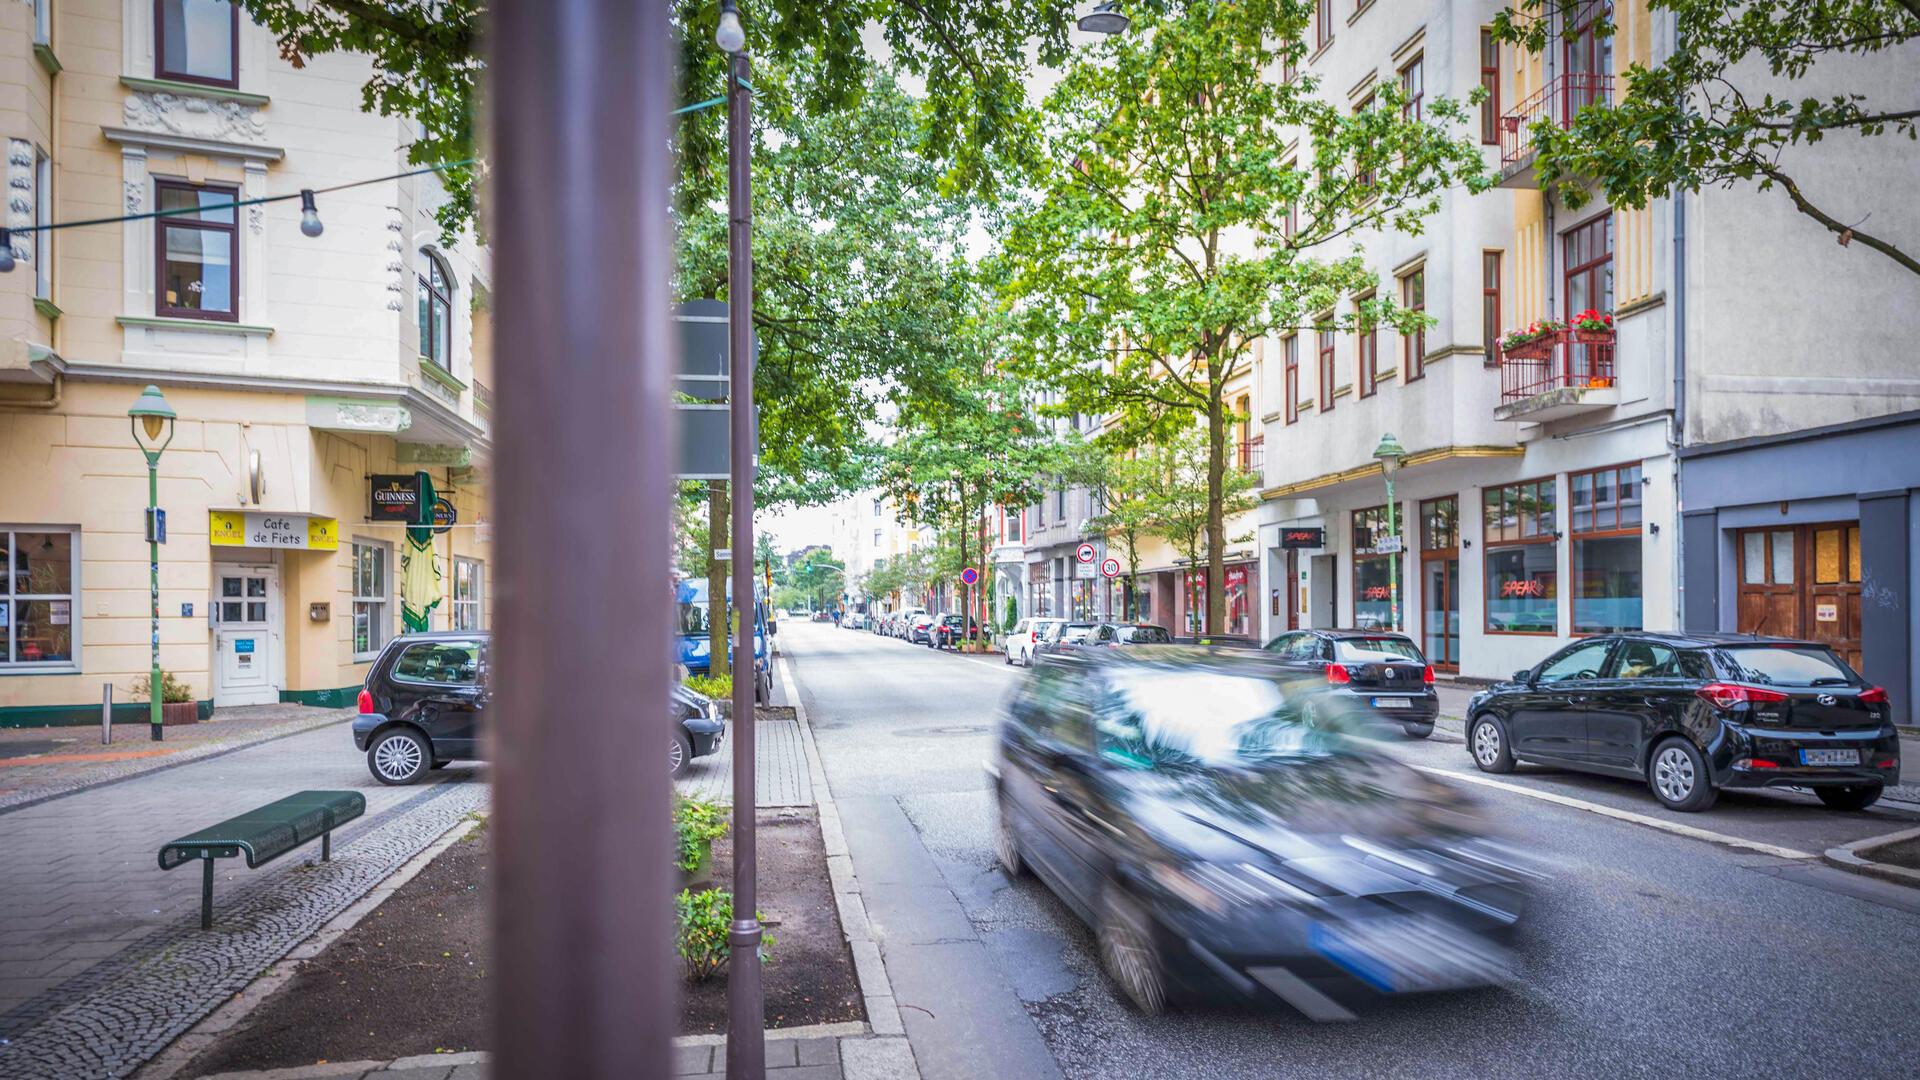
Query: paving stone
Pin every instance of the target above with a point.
(817, 1051)
(435, 1072)
(692, 1059)
(780, 769)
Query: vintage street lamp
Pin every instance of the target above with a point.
(1105, 19)
(1389, 453)
(151, 417)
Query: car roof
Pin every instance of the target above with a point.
(1709, 640)
(443, 635)
(1356, 633)
(1219, 658)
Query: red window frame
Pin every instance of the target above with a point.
(1291, 383)
(1326, 353)
(1413, 81)
(1490, 304)
(1490, 78)
(1362, 176)
(1323, 23)
(1598, 270)
(160, 70)
(1413, 347)
(1367, 343)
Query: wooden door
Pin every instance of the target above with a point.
(1769, 595)
(1832, 611)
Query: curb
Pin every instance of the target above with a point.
(1853, 857)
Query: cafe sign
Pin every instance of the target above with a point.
(301, 532)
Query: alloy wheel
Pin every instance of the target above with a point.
(1131, 962)
(397, 757)
(1673, 774)
(676, 757)
(1486, 743)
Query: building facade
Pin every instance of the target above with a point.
(306, 371)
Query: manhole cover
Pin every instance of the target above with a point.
(949, 729)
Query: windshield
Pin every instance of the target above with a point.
(1375, 650)
(693, 617)
(1785, 665)
(1160, 719)
(1144, 635)
(1076, 632)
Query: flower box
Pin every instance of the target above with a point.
(1593, 337)
(1593, 327)
(1536, 348)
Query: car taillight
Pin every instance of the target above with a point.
(366, 702)
(1886, 763)
(1755, 763)
(1727, 695)
(1875, 696)
(1427, 675)
(1337, 674)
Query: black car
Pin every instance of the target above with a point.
(1693, 713)
(1067, 636)
(424, 703)
(946, 630)
(1220, 844)
(1382, 672)
(1142, 634)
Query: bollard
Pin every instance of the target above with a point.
(106, 713)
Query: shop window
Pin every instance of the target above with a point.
(197, 41)
(197, 247)
(469, 593)
(1604, 517)
(372, 623)
(1373, 571)
(1522, 558)
(1239, 602)
(38, 622)
(1440, 524)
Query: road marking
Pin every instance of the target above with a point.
(1625, 815)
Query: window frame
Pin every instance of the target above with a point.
(10, 596)
(383, 600)
(1411, 108)
(1366, 339)
(1372, 555)
(1490, 302)
(180, 221)
(1489, 547)
(1413, 347)
(433, 301)
(1490, 78)
(1614, 531)
(43, 217)
(160, 70)
(1328, 355)
(1322, 24)
(1290, 377)
(477, 590)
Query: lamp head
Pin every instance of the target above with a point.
(153, 412)
(729, 34)
(1105, 18)
(1389, 453)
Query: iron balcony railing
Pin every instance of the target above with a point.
(1557, 102)
(1252, 454)
(1567, 364)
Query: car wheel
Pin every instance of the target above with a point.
(680, 754)
(1488, 743)
(1128, 953)
(1006, 846)
(1851, 797)
(399, 757)
(1418, 731)
(1678, 776)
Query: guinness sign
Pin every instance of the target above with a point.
(395, 498)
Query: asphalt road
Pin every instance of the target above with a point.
(1648, 953)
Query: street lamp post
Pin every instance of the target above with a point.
(151, 416)
(1389, 453)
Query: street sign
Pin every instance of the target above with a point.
(1085, 571)
(1111, 568)
(1388, 545)
(1085, 553)
(156, 525)
(970, 576)
(705, 450)
(704, 368)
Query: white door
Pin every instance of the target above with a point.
(246, 616)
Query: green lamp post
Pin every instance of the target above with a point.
(151, 417)
(1389, 453)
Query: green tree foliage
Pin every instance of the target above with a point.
(1126, 487)
(1730, 102)
(1159, 246)
(1179, 499)
(819, 577)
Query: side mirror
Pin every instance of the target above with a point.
(773, 627)
(1524, 676)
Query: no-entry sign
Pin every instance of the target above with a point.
(1085, 553)
(1111, 568)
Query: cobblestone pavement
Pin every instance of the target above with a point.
(37, 764)
(101, 951)
(780, 773)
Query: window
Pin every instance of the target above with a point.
(1040, 514)
(197, 41)
(1604, 517)
(469, 593)
(1244, 407)
(371, 623)
(436, 312)
(1010, 521)
(1362, 163)
(1367, 340)
(879, 506)
(43, 216)
(197, 248)
(1490, 305)
(1373, 571)
(1292, 224)
(443, 663)
(1060, 505)
(1522, 558)
(1440, 524)
(1291, 386)
(876, 538)
(1413, 347)
(1645, 660)
(1326, 368)
(1490, 78)
(1583, 661)
(37, 623)
(1589, 261)
(1322, 23)
(1413, 84)
(43, 22)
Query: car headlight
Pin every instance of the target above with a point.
(1214, 887)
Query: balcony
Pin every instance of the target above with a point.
(1558, 103)
(1251, 455)
(1555, 379)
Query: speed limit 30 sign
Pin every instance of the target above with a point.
(1110, 568)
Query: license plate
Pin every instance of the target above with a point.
(1829, 757)
(1392, 703)
(1396, 956)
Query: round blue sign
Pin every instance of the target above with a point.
(970, 576)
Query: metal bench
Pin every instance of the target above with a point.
(263, 835)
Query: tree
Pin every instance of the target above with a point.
(1721, 110)
(1178, 224)
(1180, 501)
(819, 576)
(1123, 485)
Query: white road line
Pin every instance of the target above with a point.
(1624, 815)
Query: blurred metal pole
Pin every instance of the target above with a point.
(746, 1038)
(106, 713)
(581, 92)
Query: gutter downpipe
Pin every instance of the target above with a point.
(1677, 423)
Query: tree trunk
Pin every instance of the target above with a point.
(1216, 518)
(717, 607)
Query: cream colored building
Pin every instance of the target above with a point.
(300, 367)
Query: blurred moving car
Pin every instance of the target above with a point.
(1025, 637)
(1382, 672)
(1142, 634)
(947, 630)
(1690, 714)
(1219, 844)
(1065, 636)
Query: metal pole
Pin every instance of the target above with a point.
(746, 1037)
(1393, 561)
(106, 713)
(153, 593)
(580, 92)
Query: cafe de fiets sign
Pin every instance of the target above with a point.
(303, 532)
(394, 497)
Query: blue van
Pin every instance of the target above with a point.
(691, 614)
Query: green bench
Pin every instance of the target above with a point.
(263, 835)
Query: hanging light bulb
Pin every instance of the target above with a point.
(6, 250)
(729, 35)
(309, 214)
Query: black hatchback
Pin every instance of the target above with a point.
(1690, 714)
(1381, 675)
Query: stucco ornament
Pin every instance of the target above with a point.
(20, 197)
(136, 193)
(396, 268)
(195, 117)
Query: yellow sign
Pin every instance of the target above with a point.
(302, 532)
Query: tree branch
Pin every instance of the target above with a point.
(1839, 228)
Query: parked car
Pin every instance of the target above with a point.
(1086, 636)
(903, 628)
(948, 628)
(697, 730)
(1025, 636)
(1219, 845)
(1063, 635)
(851, 620)
(1690, 714)
(919, 629)
(1143, 634)
(1382, 673)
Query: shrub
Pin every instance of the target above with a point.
(701, 936)
(1011, 617)
(718, 687)
(696, 825)
(172, 690)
